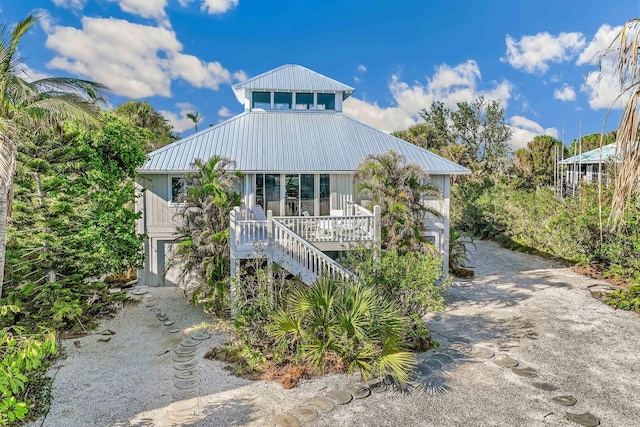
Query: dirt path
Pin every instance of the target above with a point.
(519, 309)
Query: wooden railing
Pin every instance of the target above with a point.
(303, 253)
(250, 232)
(332, 229)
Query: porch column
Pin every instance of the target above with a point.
(377, 230)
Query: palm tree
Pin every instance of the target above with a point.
(31, 106)
(203, 237)
(195, 118)
(627, 68)
(400, 189)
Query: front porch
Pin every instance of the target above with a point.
(298, 243)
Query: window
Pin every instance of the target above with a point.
(299, 192)
(282, 101)
(304, 101)
(326, 101)
(261, 100)
(325, 194)
(179, 187)
(268, 192)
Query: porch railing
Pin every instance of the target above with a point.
(295, 248)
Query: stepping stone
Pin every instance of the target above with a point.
(186, 384)
(186, 366)
(182, 358)
(162, 318)
(506, 362)
(285, 421)
(305, 414)
(149, 304)
(443, 358)
(482, 353)
(359, 391)
(186, 394)
(525, 372)
(168, 323)
(155, 309)
(183, 405)
(459, 339)
(179, 418)
(587, 419)
(341, 397)
(567, 400)
(460, 348)
(173, 331)
(544, 386)
(423, 370)
(139, 291)
(321, 403)
(188, 342)
(201, 335)
(184, 350)
(433, 364)
(186, 375)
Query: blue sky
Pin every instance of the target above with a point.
(183, 55)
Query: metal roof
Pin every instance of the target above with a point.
(279, 141)
(292, 78)
(593, 156)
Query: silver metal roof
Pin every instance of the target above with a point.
(593, 156)
(292, 78)
(279, 141)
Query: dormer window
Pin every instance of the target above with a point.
(326, 101)
(304, 101)
(261, 100)
(282, 100)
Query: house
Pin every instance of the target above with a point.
(298, 153)
(588, 166)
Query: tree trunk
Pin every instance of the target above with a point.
(4, 216)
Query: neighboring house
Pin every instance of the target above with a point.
(298, 153)
(588, 166)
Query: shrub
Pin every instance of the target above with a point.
(413, 280)
(625, 299)
(349, 322)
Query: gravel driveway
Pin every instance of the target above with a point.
(573, 355)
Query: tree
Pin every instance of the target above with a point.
(481, 126)
(142, 114)
(399, 189)
(195, 118)
(422, 135)
(203, 245)
(536, 162)
(32, 105)
(438, 117)
(590, 142)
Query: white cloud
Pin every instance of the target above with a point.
(224, 112)
(362, 68)
(602, 86)
(449, 85)
(134, 60)
(523, 130)
(240, 76)
(533, 53)
(146, 8)
(179, 120)
(565, 93)
(70, 4)
(600, 42)
(357, 79)
(214, 6)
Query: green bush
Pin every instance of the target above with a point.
(626, 299)
(21, 354)
(413, 280)
(537, 220)
(348, 322)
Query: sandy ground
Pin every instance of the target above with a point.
(519, 306)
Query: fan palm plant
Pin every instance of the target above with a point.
(28, 106)
(347, 321)
(400, 189)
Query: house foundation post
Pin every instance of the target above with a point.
(377, 230)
